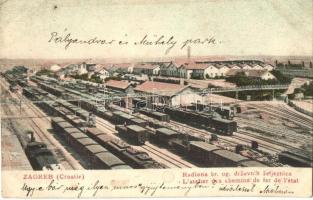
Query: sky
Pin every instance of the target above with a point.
(238, 27)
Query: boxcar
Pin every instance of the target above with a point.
(87, 148)
(121, 117)
(225, 158)
(107, 159)
(156, 115)
(181, 146)
(108, 115)
(137, 133)
(202, 152)
(164, 136)
(139, 122)
(91, 151)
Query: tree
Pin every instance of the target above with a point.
(281, 78)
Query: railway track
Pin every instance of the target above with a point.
(236, 139)
(169, 159)
(286, 108)
(276, 132)
(285, 114)
(157, 153)
(282, 146)
(106, 126)
(59, 151)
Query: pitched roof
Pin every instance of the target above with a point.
(251, 73)
(117, 84)
(100, 67)
(219, 66)
(121, 65)
(197, 66)
(165, 89)
(180, 63)
(146, 66)
(244, 65)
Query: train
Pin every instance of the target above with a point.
(135, 133)
(169, 138)
(52, 89)
(98, 157)
(38, 154)
(156, 115)
(227, 112)
(119, 117)
(200, 151)
(203, 120)
(137, 159)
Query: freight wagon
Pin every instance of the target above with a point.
(136, 159)
(52, 89)
(222, 126)
(164, 136)
(227, 112)
(120, 117)
(133, 132)
(99, 157)
(156, 115)
(225, 158)
(202, 152)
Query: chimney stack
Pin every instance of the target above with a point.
(188, 52)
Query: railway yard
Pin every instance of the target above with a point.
(52, 125)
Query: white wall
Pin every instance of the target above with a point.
(268, 76)
(212, 71)
(186, 97)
